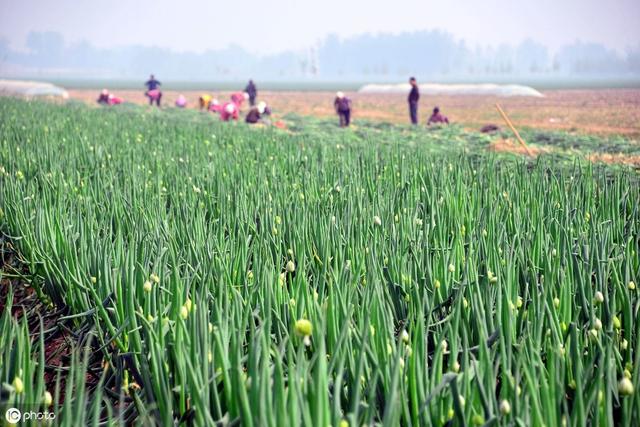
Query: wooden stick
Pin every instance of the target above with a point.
(513, 129)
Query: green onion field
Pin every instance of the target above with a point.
(206, 273)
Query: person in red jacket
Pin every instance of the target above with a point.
(181, 102)
(229, 111)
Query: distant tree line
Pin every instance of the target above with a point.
(364, 57)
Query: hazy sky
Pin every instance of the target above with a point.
(276, 25)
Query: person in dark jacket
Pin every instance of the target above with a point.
(342, 104)
(414, 97)
(104, 97)
(252, 91)
(153, 92)
(257, 114)
(437, 117)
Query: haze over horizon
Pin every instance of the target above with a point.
(286, 25)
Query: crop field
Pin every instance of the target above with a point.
(601, 112)
(164, 268)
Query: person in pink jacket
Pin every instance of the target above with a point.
(181, 102)
(239, 97)
(114, 100)
(107, 98)
(229, 111)
(215, 106)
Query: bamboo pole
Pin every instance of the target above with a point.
(513, 129)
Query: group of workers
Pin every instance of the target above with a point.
(259, 113)
(414, 98)
(230, 110)
(342, 105)
(227, 111)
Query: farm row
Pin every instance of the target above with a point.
(226, 274)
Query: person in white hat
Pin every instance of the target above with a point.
(229, 111)
(104, 97)
(342, 104)
(257, 113)
(215, 106)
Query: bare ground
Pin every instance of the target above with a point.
(593, 111)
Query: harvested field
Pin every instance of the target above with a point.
(593, 111)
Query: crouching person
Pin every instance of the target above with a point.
(258, 114)
(215, 106)
(239, 97)
(104, 97)
(107, 98)
(181, 102)
(437, 118)
(229, 111)
(204, 101)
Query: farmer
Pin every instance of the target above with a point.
(229, 111)
(239, 97)
(204, 101)
(256, 113)
(114, 100)
(414, 97)
(181, 102)
(437, 117)
(214, 106)
(153, 92)
(252, 91)
(342, 104)
(104, 97)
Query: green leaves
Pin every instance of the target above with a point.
(196, 259)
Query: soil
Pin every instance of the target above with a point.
(59, 340)
(616, 158)
(592, 111)
(508, 145)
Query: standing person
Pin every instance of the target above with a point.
(342, 104)
(153, 92)
(252, 90)
(414, 97)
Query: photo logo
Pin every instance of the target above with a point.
(13, 415)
